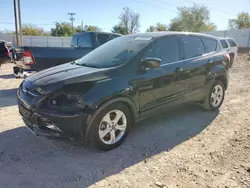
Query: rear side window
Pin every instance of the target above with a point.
(210, 44)
(166, 49)
(84, 40)
(102, 38)
(224, 43)
(193, 46)
(232, 42)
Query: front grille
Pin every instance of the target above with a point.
(26, 113)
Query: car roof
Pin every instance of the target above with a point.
(166, 33)
(100, 32)
(225, 38)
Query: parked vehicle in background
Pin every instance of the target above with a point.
(5, 52)
(230, 46)
(137, 76)
(29, 60)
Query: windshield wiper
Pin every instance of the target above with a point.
(87, 65)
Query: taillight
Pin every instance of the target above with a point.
(28, 58)
(227, 57)
(8, 52)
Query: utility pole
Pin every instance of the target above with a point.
(82, 26)
(20, 22)
(16, 27)
(72, 20)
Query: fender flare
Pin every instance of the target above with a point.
(216, 72)
(102, 106)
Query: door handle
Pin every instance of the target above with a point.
(179, 69)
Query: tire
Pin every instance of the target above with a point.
(100, 125)
(209, 102)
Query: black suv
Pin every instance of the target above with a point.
(100, 96)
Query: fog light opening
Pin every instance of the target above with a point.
(53, 127)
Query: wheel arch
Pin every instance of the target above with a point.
(129, 103)
(218, 73)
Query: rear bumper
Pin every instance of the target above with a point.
(21, 72)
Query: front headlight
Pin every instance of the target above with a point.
(40, 90)
(66, 102)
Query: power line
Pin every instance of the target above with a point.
(155, 6)
(11, 23)
(215, 9)
(166, 3)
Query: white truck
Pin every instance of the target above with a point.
(231, 47)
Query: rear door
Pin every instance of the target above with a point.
(224, 45)
(194, 66)
(233, 46)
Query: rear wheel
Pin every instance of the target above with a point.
(111, 126)
(215, 97)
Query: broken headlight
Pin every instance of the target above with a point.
(66, 102)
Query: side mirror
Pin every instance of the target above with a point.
(151, 63)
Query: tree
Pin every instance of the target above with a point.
(32, 30)
(91, 28)
(193, 19)
(158, 27)
(129, 22)
(62, 29)
(119, 29)
(175, 25)
(242, 21)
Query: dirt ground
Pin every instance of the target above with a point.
(187, 147)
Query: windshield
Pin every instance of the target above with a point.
(114, 52)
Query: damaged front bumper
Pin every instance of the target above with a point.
(53, 124)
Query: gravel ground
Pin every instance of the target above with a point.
(187, 147)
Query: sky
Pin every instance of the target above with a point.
(105, 13)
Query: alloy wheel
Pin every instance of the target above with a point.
(112, 127)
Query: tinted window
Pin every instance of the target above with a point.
(232, 43)
(84, 40)
(114, 52)
(74, 40)
(210, 44)
(102, 38)
(167, 49)
(224, 43)
(193, 46)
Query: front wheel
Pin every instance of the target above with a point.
(110, 127)
(215, 97)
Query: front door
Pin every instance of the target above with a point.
(157, 87)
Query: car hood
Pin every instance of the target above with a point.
(54, 78)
